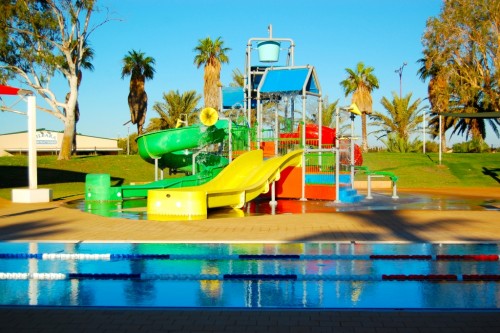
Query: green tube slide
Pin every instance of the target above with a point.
(173, 149)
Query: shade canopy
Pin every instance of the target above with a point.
(290, 80)
(490, 115)
(7, 90)
(232, 97)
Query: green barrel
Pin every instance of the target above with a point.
(98, 188)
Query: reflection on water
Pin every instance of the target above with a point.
(135, 209)
(329, 275)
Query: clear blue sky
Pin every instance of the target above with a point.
(331, 35)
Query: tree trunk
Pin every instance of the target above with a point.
(69, 121)
(69, 129)
(364, 137)
(443, 135)
(211, 88)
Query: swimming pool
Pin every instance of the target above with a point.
(295, 275)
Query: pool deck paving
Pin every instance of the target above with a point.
(55, 222)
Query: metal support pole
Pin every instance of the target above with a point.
(230, 137)
(303, 192)
(337, 157)
(273, 201)
(156, 169)
(369, 188)
(303, 195)
(320, 131)
(352, 150)
(394, 191)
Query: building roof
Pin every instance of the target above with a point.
(48, 130)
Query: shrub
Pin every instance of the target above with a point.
(473, 146)
(431, 147)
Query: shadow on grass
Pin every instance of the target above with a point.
(16, 176)
(493, 173)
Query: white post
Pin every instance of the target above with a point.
(33, 193)
(32, 162)
(423, 132)
(440, 130)
(128, 140)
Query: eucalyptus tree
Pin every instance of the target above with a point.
(45, 39)
(140, 68)
(211, 54)
(87, 56)
(360, 82)
(461, 58)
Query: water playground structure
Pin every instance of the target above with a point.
(253, 146)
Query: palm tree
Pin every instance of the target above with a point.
(211, 54)
(140, 68)
(175, 107)
(439, 96)
(402, 118)
(238, 79)
(360, 83)
(328, 113)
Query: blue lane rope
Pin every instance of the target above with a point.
(260, 277)
(115, 256)
(269, 256)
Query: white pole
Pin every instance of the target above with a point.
(320, 131)
(303, 195)
(352, 150)
(440, 150)
(423, 131)
(128, 140)
(32, 162)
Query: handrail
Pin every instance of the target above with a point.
(371, 174)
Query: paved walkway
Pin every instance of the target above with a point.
(56, 222)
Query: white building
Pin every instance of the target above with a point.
(49, 142)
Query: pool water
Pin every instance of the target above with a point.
(135, 209)
(298, 275)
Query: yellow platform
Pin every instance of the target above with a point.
(241, 181)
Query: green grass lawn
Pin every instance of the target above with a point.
(456, 170)
(67, 178)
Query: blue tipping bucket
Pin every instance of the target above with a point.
(269, 51)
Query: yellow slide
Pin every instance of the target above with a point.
(241, 181)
